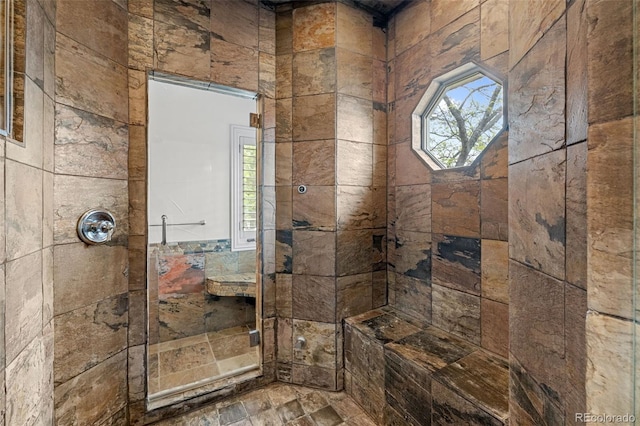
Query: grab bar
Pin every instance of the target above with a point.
(202, 222)
(164, 225)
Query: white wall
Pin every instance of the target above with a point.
(189, 159)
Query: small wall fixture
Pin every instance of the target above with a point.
(96, 226)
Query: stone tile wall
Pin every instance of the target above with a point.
(448, 229)
(91, 301)
(547, 211)
(330, 137)
(26, 226)
(230, 43)
(611, 161)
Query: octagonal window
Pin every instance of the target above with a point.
(459, 115)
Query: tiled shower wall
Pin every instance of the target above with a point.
(26, 229)
(610, 188)
(91, 150)
(448, 229)
(547, 211)
(227, 42)
(330, 137)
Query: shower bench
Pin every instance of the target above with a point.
(403, 372)
(238, 285)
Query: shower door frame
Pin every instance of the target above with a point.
(201, 388)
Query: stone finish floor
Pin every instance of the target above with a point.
(279, 404)
(183, 361)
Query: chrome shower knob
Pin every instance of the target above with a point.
(96, 226)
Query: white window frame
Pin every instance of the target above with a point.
(240, 239)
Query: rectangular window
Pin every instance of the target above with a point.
(244, 188)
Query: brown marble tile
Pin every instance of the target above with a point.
(495, 270)
(456, 263)
(34, 51)
(353, 252)
(354, 74)
(379, 289)
(320, 350)
(137, 330)
(413, 208)
(285, 340)
(314, 253)
(137, 207)
(137, 156)
(314, 27)
(372, 403)
(234, 65)
(191, 14)
(536, 325)
(379, 178)
(314, 117)
(314, 163)
(450, 407)
(354, 119)
(354, 163)
(354, 294)
(284, 111)
(95, 395)
(284, 166)
(284, 32)
(443, 12)
(609, 382)
(379, 82)
(457, 313)
(577, 83)
(575, 348)
(529, 401)
(315, 209)
(23, 209)
(314, 298)
(537, 213)
(494, 318)
(494, 209)
(403, 393)
(284, 76)
(182, 50)
(78, 286)
(409, 169)
(23, 303)
(355, 207)
(413, 24)
(141, 7)
(137, 97)
(354, 30)
(494, 28)
(458, 42)
(385, 327)
(284, 207)
(283, 251)
(536, 115)
(48, 128)
(413, 254)
(413, 297)
(140, 42)
(610, 96)
(267, 75)
(29, 394)
(379, 43)
(90, 145)
(534, 20)
(267, 30)
(576, 211)
(455, 208)
(412, 71)
(89, 81)
(101, 26)
(236, 22)
(609, 232)
(314, 72)
(87, 336)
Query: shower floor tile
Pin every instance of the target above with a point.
(184, 361)
(279, 404)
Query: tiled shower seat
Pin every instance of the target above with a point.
(402, 372)
(239, 285)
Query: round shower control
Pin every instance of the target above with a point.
(96, 226)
